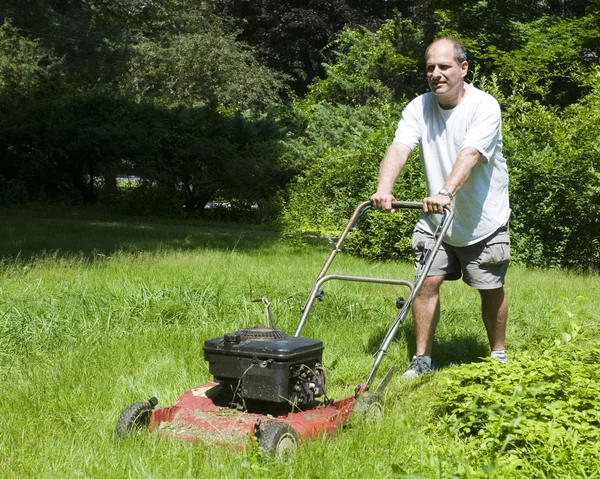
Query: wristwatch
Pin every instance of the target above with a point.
(447, 193)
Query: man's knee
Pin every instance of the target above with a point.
(492, 294)
(430, 287)
(493, 298)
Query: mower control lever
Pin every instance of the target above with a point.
(269, 320)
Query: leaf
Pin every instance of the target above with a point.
(396, 469)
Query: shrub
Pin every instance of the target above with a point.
(341, 176)
(554, 183)
(535, 416)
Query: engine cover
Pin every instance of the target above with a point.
(266, 364)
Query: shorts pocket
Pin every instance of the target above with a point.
(421, 241)
(496, 252)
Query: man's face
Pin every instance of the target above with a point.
(444, 74)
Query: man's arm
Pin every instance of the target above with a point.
(391, 166)
(465, 162)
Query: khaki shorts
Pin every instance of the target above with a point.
(482, 265)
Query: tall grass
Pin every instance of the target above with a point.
(95, 315)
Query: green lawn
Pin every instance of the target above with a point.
(96, 314)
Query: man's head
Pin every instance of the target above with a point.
(447, 66)
(460, 54)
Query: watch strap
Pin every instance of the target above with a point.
(446, 192)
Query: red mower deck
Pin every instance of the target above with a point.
(198, 418)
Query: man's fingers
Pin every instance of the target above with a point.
(383, 203)
(434, 204)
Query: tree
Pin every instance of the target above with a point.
(94, 37)
(195, 68)
(139, 84)
(290, 36)
(197, 155)
(546, 46)
(25, 70)
(370, 67)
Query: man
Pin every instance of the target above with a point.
(459, 130)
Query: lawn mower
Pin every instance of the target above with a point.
(270, 386)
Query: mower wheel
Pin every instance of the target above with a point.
(133, 417)
(278, 438)
(368, 406)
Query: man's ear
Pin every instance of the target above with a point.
(464, 68)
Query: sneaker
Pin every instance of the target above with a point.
(419, 365)
(499, 356)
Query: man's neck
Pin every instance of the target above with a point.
(448, 103)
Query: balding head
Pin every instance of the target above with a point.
(460, 54)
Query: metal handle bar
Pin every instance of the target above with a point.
(408, 204)
(446, 220)
(363, 279)
(440, 231)
(358, 212)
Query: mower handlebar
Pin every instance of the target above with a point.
(358, 212)
(417, 205)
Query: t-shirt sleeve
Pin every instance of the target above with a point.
(409, 129)
(485, 130)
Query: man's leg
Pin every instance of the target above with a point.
(426, 313)
(494, 310)
(426, 305)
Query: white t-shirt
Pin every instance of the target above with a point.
(481, 205)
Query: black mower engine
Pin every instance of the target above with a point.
(265, 364)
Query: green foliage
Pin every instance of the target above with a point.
(20, 58)
(371, 66)
(22, 76)
(140, 84)
(292, 37)
(206, 155)
(59, 145)
(554, 183)
(536, 416)
(194, 68)
(323, 198)
(184, 157)
(349, 120)
(95, 38)
(552, 54)
(537, 47)
(341, 157)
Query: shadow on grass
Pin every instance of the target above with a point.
(405, 333)
(458, 350)
(28, 237)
